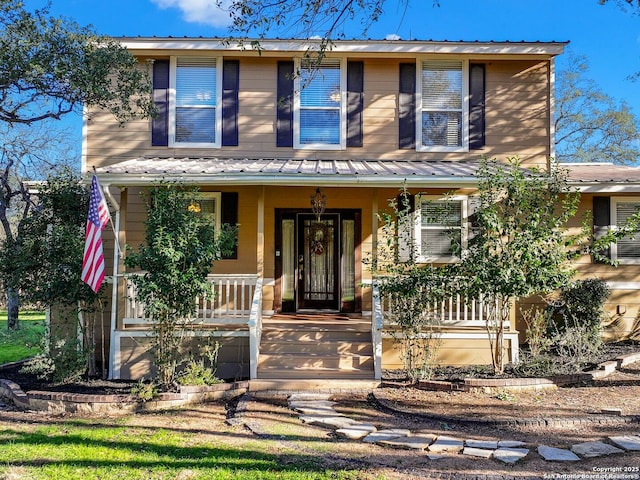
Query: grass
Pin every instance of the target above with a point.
(24, 342)
(102, 449)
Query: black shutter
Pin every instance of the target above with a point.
(160, 123)
(284, 109)
(355, 103)
(230, 216)
(230, 81)
(602, 219)
(407, 106)
(476, 105)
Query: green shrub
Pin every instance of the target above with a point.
(196, 373)
(144, 391)
(581, 304)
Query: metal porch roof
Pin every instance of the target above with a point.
(290, 171)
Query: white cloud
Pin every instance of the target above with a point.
(392, 36)
(205, 12)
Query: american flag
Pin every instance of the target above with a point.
(93, 261)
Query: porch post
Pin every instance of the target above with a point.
(255, 323)
(114, 373)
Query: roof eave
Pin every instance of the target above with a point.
(406, 47)
(606, 187)
(139, 180)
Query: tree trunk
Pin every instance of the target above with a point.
(13, 307)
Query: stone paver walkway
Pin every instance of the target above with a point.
(317, 409)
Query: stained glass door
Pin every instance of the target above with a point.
(318, 256)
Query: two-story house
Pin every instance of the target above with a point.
(303, 161)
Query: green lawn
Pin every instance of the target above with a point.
(108, 449)
(24, 342)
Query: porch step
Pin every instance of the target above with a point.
(315, 361)
(288, 385)
(296, 373)
(311, 347)
(316, 347)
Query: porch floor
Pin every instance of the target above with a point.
(312, 346)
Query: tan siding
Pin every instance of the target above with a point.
(516, 110)
(452, 351)
(233, 357)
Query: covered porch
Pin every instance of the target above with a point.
(302, 346)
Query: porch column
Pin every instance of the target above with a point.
(114, 341)
(255, 322)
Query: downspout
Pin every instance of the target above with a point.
(114, 292)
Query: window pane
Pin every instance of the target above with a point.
(288, 259)
(628, 247)
(320, 126)
(195, 125)
(208, 209)
(439, 212)
(196, 82)
(442, 85)
(321, 87)
(348, 261)
(436, 242)
(442, 129)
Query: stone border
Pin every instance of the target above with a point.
(520, 384)
(379, 397)
(488, 385)
(60, 402)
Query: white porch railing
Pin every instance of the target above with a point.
(453, 311)
(231, 302)
(234, 310)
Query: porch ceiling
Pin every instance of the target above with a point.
(291, 172)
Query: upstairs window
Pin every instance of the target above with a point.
(196, 118)
(442, 117)
(440, 226)
(320, 116)
(627, 249)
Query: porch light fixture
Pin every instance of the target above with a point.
(318, 203)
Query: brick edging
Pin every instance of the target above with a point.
(63, 402)
(380, 398)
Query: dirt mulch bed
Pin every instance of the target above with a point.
(620, 390)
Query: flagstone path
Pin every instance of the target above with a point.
(318, 409)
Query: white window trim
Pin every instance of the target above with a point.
(465, 108)
(417, 227)
(614, 225)
(172, 108)
(343, 111)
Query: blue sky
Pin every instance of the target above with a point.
(608, 36)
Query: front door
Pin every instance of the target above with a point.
(318, 265)
(315, 261)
